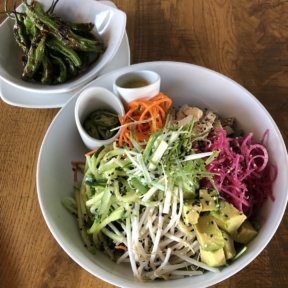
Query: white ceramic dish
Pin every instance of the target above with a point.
(127, 94)
(184, 83)
(93, 99)
(109, 27)
(17, 97)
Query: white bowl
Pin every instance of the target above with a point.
(92, 99)
(109, 27)
(184, 83)
(148, 90)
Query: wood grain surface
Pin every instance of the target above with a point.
(245, 40)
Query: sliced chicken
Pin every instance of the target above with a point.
(205, 124)
(228, 121)
(194, 111)
(185, 115)
(202, 123)
(185, 120)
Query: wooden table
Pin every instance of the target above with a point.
(245, 40)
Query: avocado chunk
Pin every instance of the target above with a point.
(208, 234)
(208, 199)
(228, 217)
(191, 211)
(228, 248)
(245, 233)
(213, 258)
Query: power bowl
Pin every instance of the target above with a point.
(109, 27)
(184, 83)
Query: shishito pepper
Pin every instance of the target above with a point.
(56, 45)
(20, 35)
(54, 50)
(62, 32)
(71, 68)
(31, 29)
(35, 55)
(80, 27)
(61, 76)
(47, 70)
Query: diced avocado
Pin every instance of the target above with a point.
(229, 248)
(245, 233)
(208, 234)
(208, 199)
(191, 211)
(214, 258)
(228, 217)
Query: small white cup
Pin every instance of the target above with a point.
(128, 94)
(90, 100)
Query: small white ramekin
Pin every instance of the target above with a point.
(130, 94)
(92, 99)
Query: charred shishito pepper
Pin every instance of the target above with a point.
(54, 50)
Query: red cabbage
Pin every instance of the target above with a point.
(242, 173)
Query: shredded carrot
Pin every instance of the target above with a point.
(75, 165)
(121, 247)
(90, 153)
(149, 117)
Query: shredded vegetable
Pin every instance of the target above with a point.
(133, 201)
(242, 174)
(143, 117)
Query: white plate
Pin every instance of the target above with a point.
(21, 98)
(109, 27)
(184, 83)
